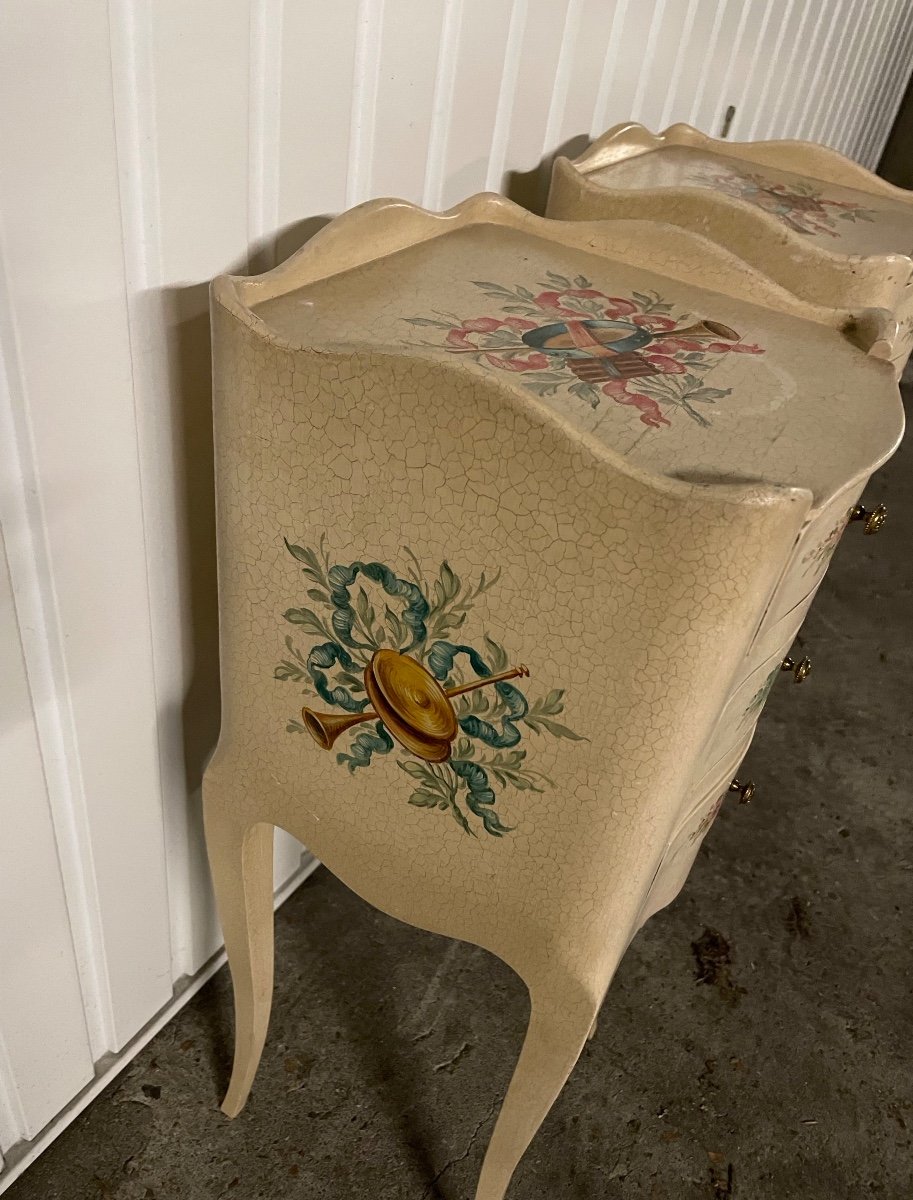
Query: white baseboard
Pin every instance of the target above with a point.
(20, 1156)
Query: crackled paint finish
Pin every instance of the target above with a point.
(638, 579)
(570, 335)
(822, 226)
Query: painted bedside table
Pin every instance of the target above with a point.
(813, 220)
(517, 522)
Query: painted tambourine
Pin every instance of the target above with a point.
(411, 703)
(597, 351)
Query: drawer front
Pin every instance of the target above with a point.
(780, 637)
(685, 842)
(743, 708)
(679, 858)
(761, 669)
(809, 561)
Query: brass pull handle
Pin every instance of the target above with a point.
(801, 670)
(746, 790)
(873, 520)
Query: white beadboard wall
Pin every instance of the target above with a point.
(146, 146)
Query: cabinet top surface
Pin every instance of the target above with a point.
(681, 381)
(841, 219)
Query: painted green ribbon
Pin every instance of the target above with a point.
(440, 661)
(415, 609)
(364, 744)
(328, 654)
(479, 795)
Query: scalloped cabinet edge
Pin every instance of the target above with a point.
(823, 227)
(514, 517)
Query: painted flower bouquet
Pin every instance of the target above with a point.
(569, 335)
(801, 206)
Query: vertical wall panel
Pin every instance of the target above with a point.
(895, 69)
(23, 520)
(365, 76)
(263, 129)
(829, 79)
(199, 127)
(147, 146)
(781, 30)
(210, 125)
(42, 1022)
(564, 72)
(64, 261)
(696, 53)
(751, 59)
(722, 76)
(605, 92)
(795, 59)
(808, 67)
(871, 69)
(631, 79)
(672, 38)
(836, 14)
(160, 474)
(405, 95)
(12, 1123)
(317, 66)
(536, 74)
(875, 74)
(201, 63)
(584, 46)
(474, 100)
(891, 101)
(507, 97)
(833, 129)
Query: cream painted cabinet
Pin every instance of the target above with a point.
(817, 223)
(145, 148)
(516, 526)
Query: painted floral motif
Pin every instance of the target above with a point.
(706, 820)
(801, 206)
(817, 558)
(759, 699)
(568, 335)
(390, 680)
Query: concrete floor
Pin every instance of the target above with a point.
(756, 1044)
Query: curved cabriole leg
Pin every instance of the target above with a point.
(554, 1039)
(241, 861)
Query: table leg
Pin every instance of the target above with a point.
(241, 861)
(556, 1035)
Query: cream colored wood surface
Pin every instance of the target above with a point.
(669, 176)
(631, 140)
(641, 561)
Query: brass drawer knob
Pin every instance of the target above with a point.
(801, 669)
(873, 520)
(745, 790)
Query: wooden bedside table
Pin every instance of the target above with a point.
(517, 522)
(816, 222)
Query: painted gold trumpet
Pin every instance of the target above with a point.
(413, 706)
